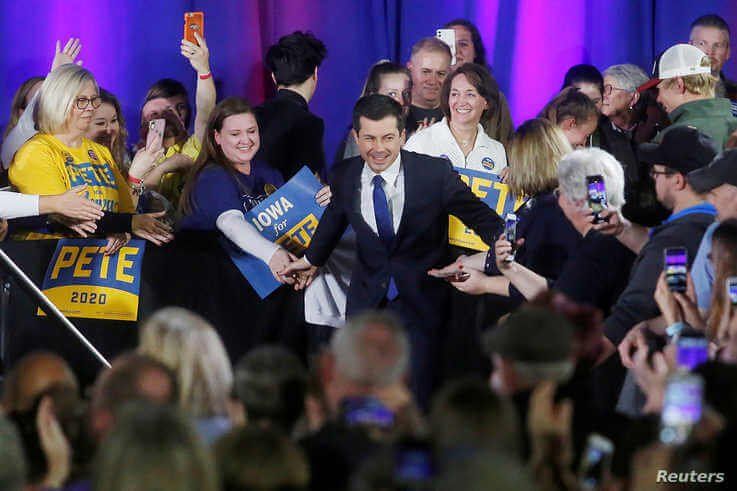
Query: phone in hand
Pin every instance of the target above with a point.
(692, 351)
(596, 195)
(732, 289)
(458, 275)
(682, 406)
(194, 22)
(510, 233)
(155, 135)
(448, 36)
(596, 462)
(676, 268)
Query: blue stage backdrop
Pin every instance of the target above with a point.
(129, 44)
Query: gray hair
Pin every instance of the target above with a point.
(368, 361)
(431, 44)
(628, 76)
(574, 167)
(58, 94)
(190, 346)
(12, 461)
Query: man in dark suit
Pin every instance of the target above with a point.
(291, 136)
(398, 204)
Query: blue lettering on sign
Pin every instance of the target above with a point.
(91, 174)
(82, 262)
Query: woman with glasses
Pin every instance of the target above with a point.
(628, 119)
(60, 157)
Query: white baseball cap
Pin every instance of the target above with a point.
(680, 60)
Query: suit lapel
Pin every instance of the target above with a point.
(410, 190)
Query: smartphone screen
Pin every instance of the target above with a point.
(448, 36)
(510, 233)
(732, 289)
(681, 407)
(676, 267)
(597, 195)
(596, 462)
(692, 352)
(414, 463)
(194, 22)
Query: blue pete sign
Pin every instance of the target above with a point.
(82, 282)
(288, 217)
(489, 188)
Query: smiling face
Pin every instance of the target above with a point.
(429, 69)
(105, 127)
(465, 103)
(80, 119)
(239, 138)
(465, 51)
(379, 142)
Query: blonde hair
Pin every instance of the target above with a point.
(703, 84)
(577, 165)
(534, 152)
(57, 96)
(190, 346)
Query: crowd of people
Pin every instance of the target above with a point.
(589, 348)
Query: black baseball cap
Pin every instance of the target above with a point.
(721, 170)
(532, 334)
(683, 149)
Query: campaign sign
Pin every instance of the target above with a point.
(494, 193)
(288, 217)
(83, 282)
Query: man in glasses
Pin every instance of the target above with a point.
(682, 150)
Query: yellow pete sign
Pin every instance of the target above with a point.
(82, 282)
(298, 238)
(492, 192)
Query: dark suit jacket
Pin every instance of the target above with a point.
(291, 136)
(432, 190)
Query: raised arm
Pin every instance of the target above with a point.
(199, 58)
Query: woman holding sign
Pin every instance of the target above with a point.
(468, 94)
(225, 183)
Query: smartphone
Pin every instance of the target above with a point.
(510, 233)
(459, 274)
(692, 352)
(194, 22)
(366, 411)
(448, 36)
(597, 195)
(155, 136)
(681, 407)
(676, 268)
(596, 462)
(732, 289)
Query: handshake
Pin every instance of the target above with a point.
(288, 269)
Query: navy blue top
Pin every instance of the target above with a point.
(218, 190)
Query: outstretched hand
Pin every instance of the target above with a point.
(68, 54)
(299, 274)
(198, 56)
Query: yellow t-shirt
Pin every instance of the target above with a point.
(44, 166)
(172, 183)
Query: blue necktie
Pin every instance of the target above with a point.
(384, 226)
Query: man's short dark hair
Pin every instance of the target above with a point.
(167, 88)
(711, 20)
(294, 58)
(377, 107)
(271, 382)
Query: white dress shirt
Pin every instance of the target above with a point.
(393, 188)
(487, 155)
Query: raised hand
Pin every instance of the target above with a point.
(198, 56)
(68, 54)
(503, 249)
(145, 160)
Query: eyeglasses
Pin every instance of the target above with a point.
(655, 173)
(608, 88)
(84, 102)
